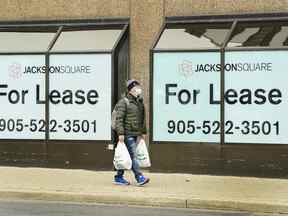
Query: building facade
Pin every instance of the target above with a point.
(145, 21)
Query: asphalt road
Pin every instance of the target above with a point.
(43, 208)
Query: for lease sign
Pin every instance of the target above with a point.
(186, 97)
(79, 97)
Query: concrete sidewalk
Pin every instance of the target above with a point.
(169, 190)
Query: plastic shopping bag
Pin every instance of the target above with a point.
(122, 158)
(142, 154)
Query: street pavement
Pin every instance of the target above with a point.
(260, 195)
(44, 208)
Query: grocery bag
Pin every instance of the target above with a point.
(142, 155)
(122, 158)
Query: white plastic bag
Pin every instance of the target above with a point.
(142, 154)
(122, 158)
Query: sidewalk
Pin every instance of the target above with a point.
(169, 190)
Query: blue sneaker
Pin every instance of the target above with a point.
(121, 181)
(141, 180)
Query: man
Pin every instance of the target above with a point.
(131, 128)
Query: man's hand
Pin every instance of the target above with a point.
(121, 138)
(139, 138)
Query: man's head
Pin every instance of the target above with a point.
(134, 87)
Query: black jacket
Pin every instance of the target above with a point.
(130, 118)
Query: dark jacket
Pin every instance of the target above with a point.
(130, 118)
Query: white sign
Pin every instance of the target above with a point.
(22, 85)
(256, 97)
(186, 97)
(80, 96)
(182, 92)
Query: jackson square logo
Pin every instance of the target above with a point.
(185, 69)
(15, 70)
(58, 69)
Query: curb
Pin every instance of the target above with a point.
(145, 201)
(94, 198)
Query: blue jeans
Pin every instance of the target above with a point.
(131, 143)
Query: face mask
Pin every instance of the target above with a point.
(138, 91)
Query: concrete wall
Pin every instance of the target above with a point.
(146, 18)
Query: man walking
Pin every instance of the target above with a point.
(131, 128)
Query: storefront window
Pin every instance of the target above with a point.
(59, 83)
(233, 95)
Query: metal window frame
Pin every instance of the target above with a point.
(234, 19)
(105, 23)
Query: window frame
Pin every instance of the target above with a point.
(261, 17)
(47, 25)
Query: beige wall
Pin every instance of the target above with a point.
(146, 17)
